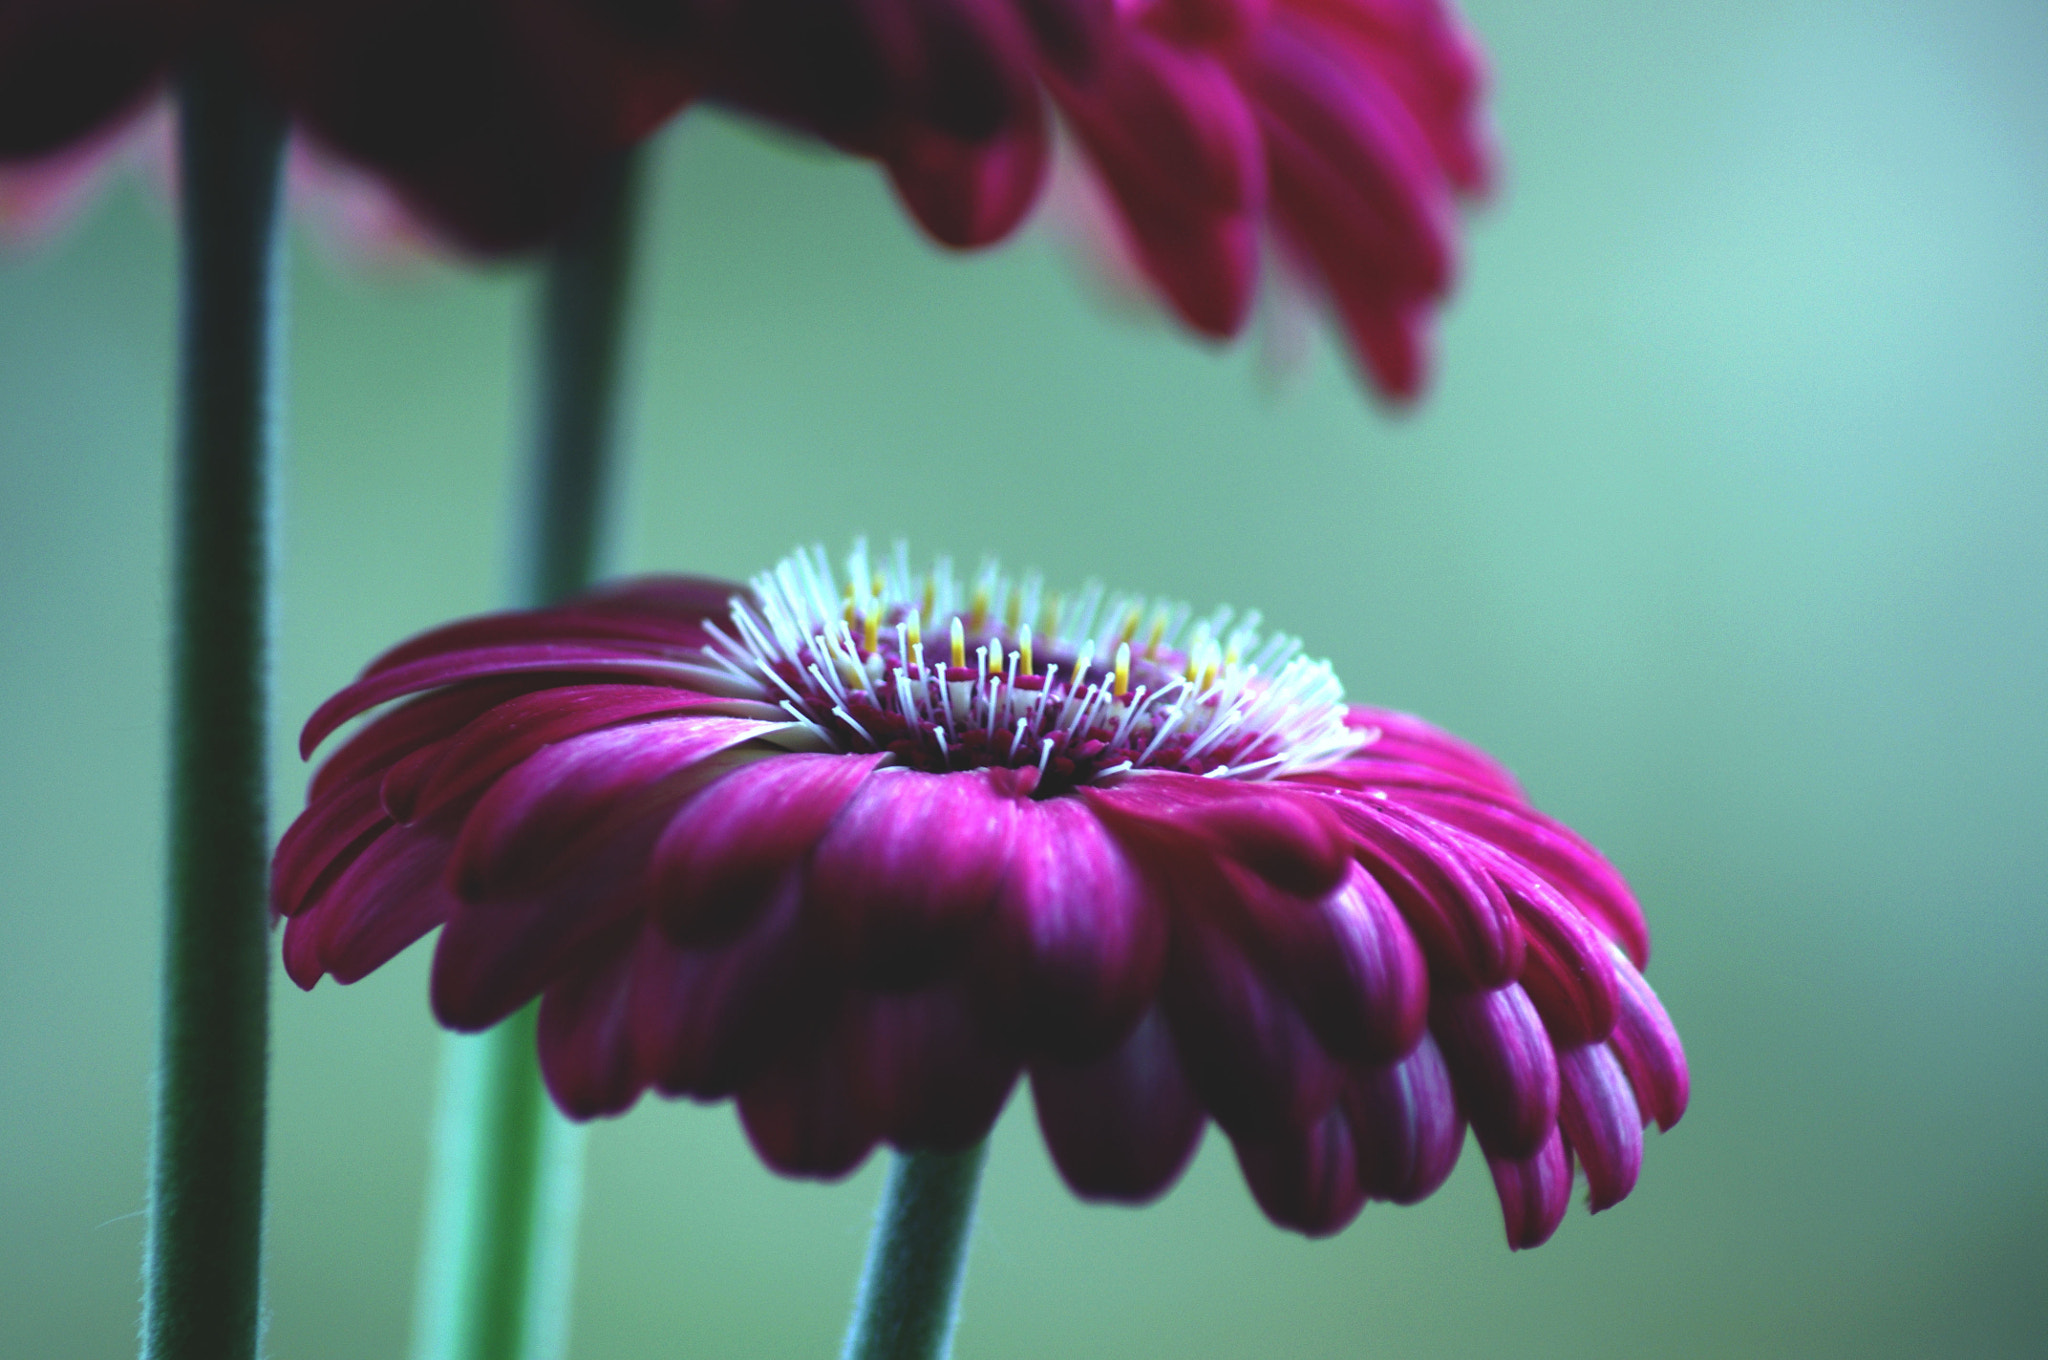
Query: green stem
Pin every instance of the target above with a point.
(202, 1260)
(909, 1298)
(499, 1257)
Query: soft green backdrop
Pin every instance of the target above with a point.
(1726, 526)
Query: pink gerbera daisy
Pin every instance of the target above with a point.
(786, 845)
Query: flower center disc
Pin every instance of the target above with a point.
(1080, 690)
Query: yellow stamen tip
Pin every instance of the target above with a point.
(1024, 651)
(959, 642)
(871, 633)
(1123, 670)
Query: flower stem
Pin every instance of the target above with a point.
(202, 1292)
(499, 1258)
(909, 1297)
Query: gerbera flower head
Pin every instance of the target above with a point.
(861, 850)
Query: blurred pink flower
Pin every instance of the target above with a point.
(780, 844)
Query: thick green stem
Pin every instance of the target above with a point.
(202, 1294)
(909, 1296)
(499, 1258)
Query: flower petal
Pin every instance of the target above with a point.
(1075, 948)
(1647, 1045)
(1502, 1066)
(586, 1032)
(1346, 958)
(909, 870)
(1405, 1124)
(1460, 917)
(928, 1075)
(390, 895)
(1306, 1179)
(732, 843)
(1289, 837)
(548, 811)
(707, 1021)
(1124, 1126)
(1534, 1191)
(804, 1113)
(1246, 1047)
(461, 767)
(1599, 1117)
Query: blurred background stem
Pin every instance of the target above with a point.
(202, 1293)
(909, 1299)
(498, 1262)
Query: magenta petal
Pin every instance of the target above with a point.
(910, 868)
(498, 952)
(571, 793)
(1346, 958)
(1648, 1047)
(410, 727)
(1460, 917)
(1534, 1191)
(1124, 1126)
(321, 842)
(804, 1114)
(1406, 1125)
(1246, 1047)
(1290, 838)
(393, 893)
(490, 663)
(647, 614)
(969, 194)
(706, 1021)
(732, 843)
(929, 1076)
(1566, 968)
(1502, 1066)
(468, 762)
(1306, 1179)
(586, 1034)
(1565, 861)
(1075, 948)
(1599, 1117)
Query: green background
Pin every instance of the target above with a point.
(1726, 526)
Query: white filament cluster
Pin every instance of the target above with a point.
(1083, 688)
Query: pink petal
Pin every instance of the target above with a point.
(910, 868)
(467, 763)
(581, 659)
(1566, 969)
(1556, 852)
(804, 1114)
(1647, 1045)
(1460, 917)
(1247, 1049)
(1178, 149)
(393, 893)
(1403, 736)
(928, 1076)
(1502, 1066)
(731, 844)
(661, 614)
(410, 726)
(546, 813)
(1075, 948)
(586, 1033)
(969, 194)
(1291, 839)
(321, 842)
(1306, 1179)
(1346, 958)
(1124, 1126)
(1405, 1124)
(1534, 1191)
(1599, 1117)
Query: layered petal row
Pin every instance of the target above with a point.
(1344, 968)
